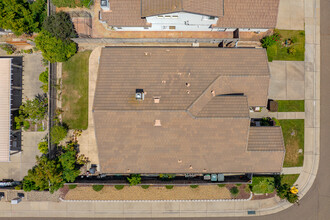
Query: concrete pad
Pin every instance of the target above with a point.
(309, 114)
(277, 89)
(32, 67)
(309, 32)
(309, 8)
(317, 58)
(166, 209)
(296, 90)
(309, 85)
(309, 53)
(300, 115)
(291, 15)
(277, 70)
(109, 206)
(77, 206)
(295, 71)
(309, 67)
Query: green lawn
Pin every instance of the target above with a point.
(75, 91)
(291, 105)
(293, 133)
(262, 184)
(289, 179)
(280, 52)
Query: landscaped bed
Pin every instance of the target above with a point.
(151, 193)
(293, 134)
(289, 45)
(75, 91)
(291, 105)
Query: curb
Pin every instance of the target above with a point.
(192, 200)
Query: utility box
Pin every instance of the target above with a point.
(16, 201)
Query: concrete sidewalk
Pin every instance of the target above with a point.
(292, 170)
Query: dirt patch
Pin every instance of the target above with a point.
(152, 193)
(292, 151)
(243, 193)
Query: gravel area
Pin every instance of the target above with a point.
(31, 196)
(152, 193)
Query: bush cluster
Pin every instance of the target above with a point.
(270, 40)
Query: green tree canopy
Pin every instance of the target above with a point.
(45, 175)
(134, 179)
(58, 133)
(43, 77)
(22, 17)
(34, 109)
(52, 174)
(60, 26)
(43, 147)
(54, 49)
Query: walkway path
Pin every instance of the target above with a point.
(292, 170)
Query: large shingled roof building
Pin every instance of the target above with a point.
(190, 15)
(183, 110)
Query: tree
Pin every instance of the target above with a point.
(68, 163)
(45, 175)
(43, 77)
(17, 16)
(43, 147)
(58, 133)
(134, 179)
(60, 26)
(35, 109)
(54, 49)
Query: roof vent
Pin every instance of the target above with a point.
(190, 167)
(187, 84)
(128, 170)
(179, 161)
(156, 100)
(163, 81)
(188, 92)
(213, 93)
(139, 94)
(157, 123)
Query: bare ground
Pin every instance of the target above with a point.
(152, 193)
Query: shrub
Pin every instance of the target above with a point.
(97, 188)
(134, 179)
(72, 186)
(26, 125)
(58, 133)
(247, 189)
(234, 191)
(193, 186)
(10, 49)
(277, 122)
(292, 50)
(19, 187)
(28, 51)
(145, 186)
(169, 186)
(43, 77)
(270, 40)
(119, 187)
(54, 49)
(238, 184)
(43, 147)
(221, 185)
(166, 176)
(73, 3)
(35, 109)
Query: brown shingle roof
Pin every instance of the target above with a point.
(249, 14)
(126, 134)
(129, 140)
(226, 106)
(265, 139)
(204, 7)
(124, 13)
(164, 72)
